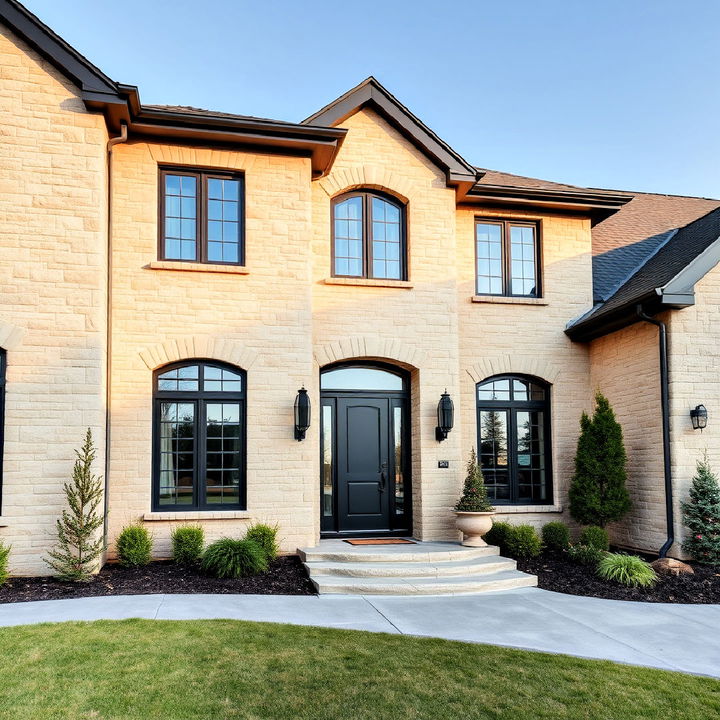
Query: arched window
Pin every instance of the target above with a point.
(369, 236)
(199, 436)
(3, 360)
(513, 418)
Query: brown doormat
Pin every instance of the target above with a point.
(381, 541)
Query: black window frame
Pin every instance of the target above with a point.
(512, 407)
(3, 385)
(201, 175)
(367, 237)
(506, 259)
(200, 465)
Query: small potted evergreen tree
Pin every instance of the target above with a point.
(473, 512)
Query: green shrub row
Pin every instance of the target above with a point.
(225, 558)
(516, 541)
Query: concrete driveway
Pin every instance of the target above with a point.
(672, 637)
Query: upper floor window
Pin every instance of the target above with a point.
(513, 417)
(201, 216)
(369, 237)
(199, 437)
(507, 258)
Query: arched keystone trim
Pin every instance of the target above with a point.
(364, 346)
(366, 176)
(10, 335)
(229, 351)
(513, 365)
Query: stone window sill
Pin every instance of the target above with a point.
(185, 516)
(503, 300)
(197, 267)
(516, 509)
(369, 282)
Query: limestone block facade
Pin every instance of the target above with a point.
(84, 331)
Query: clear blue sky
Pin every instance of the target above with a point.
(621, 93)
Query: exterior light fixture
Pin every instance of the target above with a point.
(698, 415)
(302, 414)
(445, 415)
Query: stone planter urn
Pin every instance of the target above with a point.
(473, 525)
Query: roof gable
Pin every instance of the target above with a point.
(370, 93)
(78, 69)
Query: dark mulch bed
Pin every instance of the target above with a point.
(556, 573)
(286, 576)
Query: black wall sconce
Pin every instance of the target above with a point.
(446, 417)
(698, 415)
(302, 414)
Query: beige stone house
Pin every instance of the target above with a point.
(173, 277)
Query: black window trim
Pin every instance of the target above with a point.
(367, 195)
(202, 175)
(197, 397)
(512, 406)
(505, 223)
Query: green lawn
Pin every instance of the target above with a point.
(144, 669)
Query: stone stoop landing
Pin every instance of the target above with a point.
(426, 568)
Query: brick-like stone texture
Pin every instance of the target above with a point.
(52, 304)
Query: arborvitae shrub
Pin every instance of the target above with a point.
(134, 546)
(596, 537)
(474, 496)
(627, 570)
(556, 536)
(597, 491)
(188, 542)
(523, 542)
(266, 537)
(701, 515)
(79, 542)
(229, 558)
(498, 535)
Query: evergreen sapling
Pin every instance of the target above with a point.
(474, 497)
(78, 546)
(701, 515)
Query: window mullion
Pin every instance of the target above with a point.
(512, 454)
(506, 259)
(201, 212)
(200, 455)
(367, 232)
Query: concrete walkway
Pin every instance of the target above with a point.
(671, 637)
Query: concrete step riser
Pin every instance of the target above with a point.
(430, 589)
(355, 570)
(431, 557)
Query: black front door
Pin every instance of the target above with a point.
(365, 469)
(363, 463)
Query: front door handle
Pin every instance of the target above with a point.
(382, 477)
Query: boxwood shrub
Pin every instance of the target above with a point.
(230, 558)
(134, 546)
(523, 542)
(498, 535)
(556, 536)
(266, 537)
(585, 555)
(4, 557)
(188, 542)
(595, 536)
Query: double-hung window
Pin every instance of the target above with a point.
(507, 258)
(201, 216)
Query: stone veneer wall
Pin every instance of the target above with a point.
(625, 368)
(52, 304)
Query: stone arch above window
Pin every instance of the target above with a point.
(514, 365)
(367, 176)
(230, 351)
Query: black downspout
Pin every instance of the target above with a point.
(665, 408)
(112, 142)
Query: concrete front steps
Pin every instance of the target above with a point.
(425, 568)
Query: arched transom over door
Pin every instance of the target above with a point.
(365, 468)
